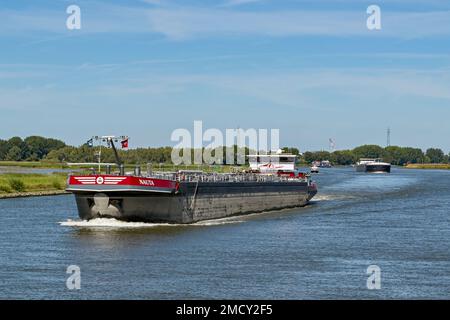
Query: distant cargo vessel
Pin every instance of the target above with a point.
(272, 183)
(373, 165)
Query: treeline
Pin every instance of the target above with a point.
(33, 148)
(393, 154)
(37, 148)
(90, 154)
(132, 156)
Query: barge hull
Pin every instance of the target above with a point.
(373, 168)
(194, 202)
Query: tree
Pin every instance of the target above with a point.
(396, 155)
(14, 154)
(344, 157)
(21, 145)
(3, 149)
(369, 151)
(436, 155)
(39, 147)
(291, 150)
(414, 155)
(446, 158)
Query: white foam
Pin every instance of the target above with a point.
(108, 223)
(217, 222)
(114, 223)
(329, 197)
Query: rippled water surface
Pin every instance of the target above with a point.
(399, 222)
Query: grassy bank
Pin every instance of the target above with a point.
(12, 184)
(30, 184)
(428, 166)
(33, 164)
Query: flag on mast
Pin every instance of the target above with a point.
(124, 143)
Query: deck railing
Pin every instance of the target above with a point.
(224, 177)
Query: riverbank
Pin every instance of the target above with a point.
(32, 194)
(13, 185)
(442, 166)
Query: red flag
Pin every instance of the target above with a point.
(124, 143)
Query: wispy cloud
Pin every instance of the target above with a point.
(234, 3)
(188, 23)
(282, 88)
(153, 2)
(181, 23)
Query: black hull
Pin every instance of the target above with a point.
(195, 201)
(371, 168)
(378, 168)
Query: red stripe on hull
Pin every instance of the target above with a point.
(108, 180)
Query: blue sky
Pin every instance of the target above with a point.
(310, 68)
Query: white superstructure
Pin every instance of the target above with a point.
(272, 162)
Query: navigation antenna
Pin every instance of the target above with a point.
(332, 145)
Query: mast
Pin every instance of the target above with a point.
(116, 154)
(99, 157)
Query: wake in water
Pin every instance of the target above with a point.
(374, 183)
(114, 223)
(109, 223)
(331, 197)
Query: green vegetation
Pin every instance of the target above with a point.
(33, 148)
(436, 155)
(5, 189)
(16, 184)
(19, 183)
(56, 184)
(428, 166)
(40, 152)
(393, 154)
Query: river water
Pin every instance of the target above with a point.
(399, 222)
(24, 170)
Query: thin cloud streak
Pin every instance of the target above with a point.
(180, 23)
(283, 89)
(235, 3)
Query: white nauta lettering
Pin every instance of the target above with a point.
(146, 182)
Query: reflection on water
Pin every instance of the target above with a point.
(399, 222)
